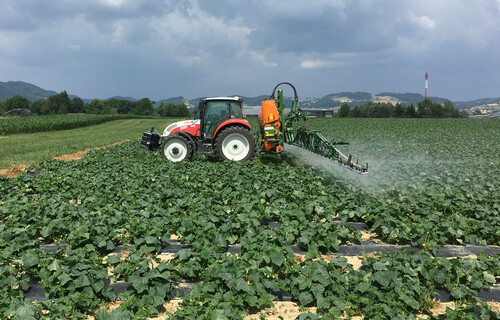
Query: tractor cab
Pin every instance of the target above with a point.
(214, 111)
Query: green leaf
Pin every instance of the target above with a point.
(305, 298)
(113, 258)
(322, 303)
(64, 278)
(383, 277)
(54, 265)
(82, 281)
(410, 301)
(117, 314)
(108, 293)
(26, 311)
(241, 285)
(460, 292)
(97, 286)
(151, 240)
(277, 258)
(30, 260)
(184, 254)
(140, 284)
(488, 277)
(317, 290)
(379, 266)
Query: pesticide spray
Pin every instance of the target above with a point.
(375, 183)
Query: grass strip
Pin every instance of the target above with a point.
(33, 148)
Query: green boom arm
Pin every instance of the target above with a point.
(311, 140)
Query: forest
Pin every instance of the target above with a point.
(62, 104)
(425, 109)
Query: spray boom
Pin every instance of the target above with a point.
(278, 130)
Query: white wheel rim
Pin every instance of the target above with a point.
(175, 150)
(235, 147)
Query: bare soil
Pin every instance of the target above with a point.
(13, 171)
(17, 170)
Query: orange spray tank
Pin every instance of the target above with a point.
(270, 126)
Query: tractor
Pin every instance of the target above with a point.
(219, 128)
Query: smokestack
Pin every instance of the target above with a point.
(426, 83)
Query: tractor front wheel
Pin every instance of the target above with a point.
(176, 148)
(235, 143)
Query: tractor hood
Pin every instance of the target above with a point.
(186, 125)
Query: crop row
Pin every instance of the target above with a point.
(124, 196)
(53, 122)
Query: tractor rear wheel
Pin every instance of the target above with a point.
(176, 148)
(235, 143)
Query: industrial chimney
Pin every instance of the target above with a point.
(426, 83)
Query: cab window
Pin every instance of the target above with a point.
(236, 112)
(216, 112)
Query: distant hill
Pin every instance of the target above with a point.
(338, 99)
(121, 98)
(27, 90)
(194, 102)
(474, 103)
(33, 93)
(254, 101)
(173, 100)
(410, 98)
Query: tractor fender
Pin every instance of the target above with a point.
(230, 122)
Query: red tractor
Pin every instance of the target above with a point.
(219, 128)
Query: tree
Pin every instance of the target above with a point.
(172, 110)
(144, 107)
(449, 110)
(357, 111)
(385, 110)
(120, 106)
(399, 111)
(125, 106)
(16, 102)
(424, 109)
(344, 111)
(96, 106)
(437, 110)
(411, 112)
(165, 109)
(37, 106)
(56, 104)
(182, 110)
(77, 105)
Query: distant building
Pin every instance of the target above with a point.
(325, 113)
(251, 111)
(254, 111)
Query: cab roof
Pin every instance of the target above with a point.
(224, 98)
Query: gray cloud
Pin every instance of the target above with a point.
(156, 48)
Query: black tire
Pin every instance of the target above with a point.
(176, 148)
(235, 144)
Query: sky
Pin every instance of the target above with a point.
(194, 48)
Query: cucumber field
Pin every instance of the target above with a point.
(121, 232)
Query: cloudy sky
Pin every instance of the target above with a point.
(165, 48)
